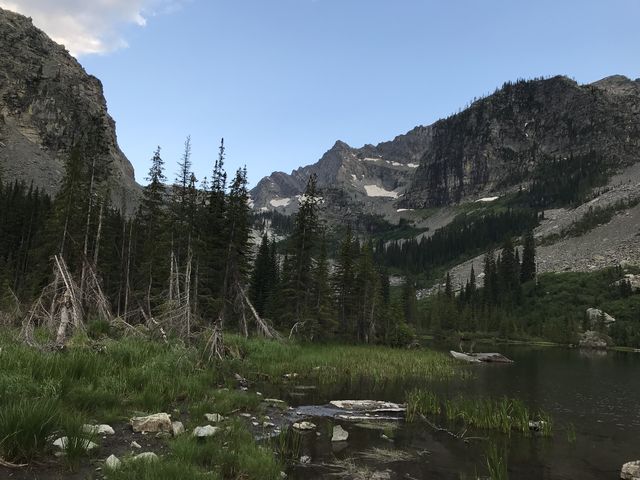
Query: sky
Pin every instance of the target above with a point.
(282, 80)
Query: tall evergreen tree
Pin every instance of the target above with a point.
(528, 268)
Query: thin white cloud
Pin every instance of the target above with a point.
(88, 27)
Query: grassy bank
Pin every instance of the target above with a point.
(45, 394)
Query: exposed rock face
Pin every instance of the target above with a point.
(499, 140)
(490, 148)
(595, 316)
(48, 104)
(365, 178)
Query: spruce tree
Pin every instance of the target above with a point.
(528, 268)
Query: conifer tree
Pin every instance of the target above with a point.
(528, 268)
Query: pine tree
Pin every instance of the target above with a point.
(528, 268)
(344, 283)
(323, 323)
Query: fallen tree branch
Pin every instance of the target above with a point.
(4, 463)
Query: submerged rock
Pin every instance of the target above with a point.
(630, 471)
(339, 434)
(158, 422)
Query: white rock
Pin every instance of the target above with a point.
(205, 431)
(631, 471)
(213, 417)
(339, 434)
(305, 459)
(98, 430)
(177, 428)
(304, 426)
(158, 422)
(372, 406)
(61, 443)
(112, 462)
(146, 457)
(135, 444)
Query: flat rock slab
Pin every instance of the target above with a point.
(371, 406)
(158, 422)
(304, 426)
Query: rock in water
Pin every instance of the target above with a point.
(339, 434)
(206, 431)
(158, 422)
(112, 462)
(631, 471)
(593, 339)
(304, 426)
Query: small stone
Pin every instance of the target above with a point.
(177, 428)
(61, 443)
(255, 424)
(339, 434)
(214, 417)
(135, 444)
(206, 431)
(163, 435)
(146, 457)
(268, 425)
(304, 426)
(112, 463)
(98, 430)
(245, 415)
(630, 471)
(305, 459)
(158, 422)
(283, 475)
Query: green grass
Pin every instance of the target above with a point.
(165, 469)
(503, 415)
(336, 364)
(496, 463)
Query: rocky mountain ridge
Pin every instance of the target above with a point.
(494, 146)
(48, 105)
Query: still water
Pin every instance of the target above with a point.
(594, 394)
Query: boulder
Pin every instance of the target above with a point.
(112, 463)
(595, 316)
(304, 426)
(593, 339)
(98, 430)
(630, 471)
(305, 459)
(158, 422)
(339, 434)
(205, 431)
(371, 406)
(177, 428)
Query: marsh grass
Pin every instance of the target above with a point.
(333, 364)
(504, 414)
(25, 428)
(78, 440)
(287, 445)
(165, 469)
(496, 463)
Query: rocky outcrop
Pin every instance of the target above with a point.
(499, 142)
(594, 340)
(597, 316)
(48, 105)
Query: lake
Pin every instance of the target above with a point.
(594, 394)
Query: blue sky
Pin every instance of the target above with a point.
(282, 80)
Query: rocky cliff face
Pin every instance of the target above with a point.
(366, 179)
(500, 140)
(492, 147)
(48, 104)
